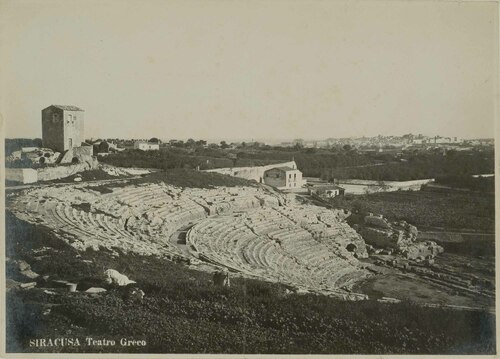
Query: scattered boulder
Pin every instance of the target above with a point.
(20, 270)
(131, 293)
(134, 295)
(28, 285)
(116, 278)
(377, 221)
(301, 291)
(94, 290)
(9, 283)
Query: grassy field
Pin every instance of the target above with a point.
(184, 313)
(451, 210)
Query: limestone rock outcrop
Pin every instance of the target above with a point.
(401, 237)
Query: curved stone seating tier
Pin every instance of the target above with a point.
(269, 245)
(327, 227)
(110, 222)
(242, 228)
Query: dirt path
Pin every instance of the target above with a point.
(178, 239)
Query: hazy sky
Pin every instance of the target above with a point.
(251, 69)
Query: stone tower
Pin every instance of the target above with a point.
(62, 127)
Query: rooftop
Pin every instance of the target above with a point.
(326, 187)
(283, 168)
(67, 107)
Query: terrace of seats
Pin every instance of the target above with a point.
(277, 243)
(268, 244)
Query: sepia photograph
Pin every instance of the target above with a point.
(249, 177)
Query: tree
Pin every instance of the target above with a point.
(176, 143)
(154, 140)
(224, 145)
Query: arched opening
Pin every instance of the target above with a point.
(41, 160)
(75, 160)
(351, 247)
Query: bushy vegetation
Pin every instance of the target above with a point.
(452, 210)
(311, 161)
(329, 163)
(183, 313)
(325, 163)
(455, 165)
(480, 184)
(170, 158)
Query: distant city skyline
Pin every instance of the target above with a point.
(262, 140)
(252, 70)
(282, 140)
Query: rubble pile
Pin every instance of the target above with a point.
(34, 155)
(400, 237)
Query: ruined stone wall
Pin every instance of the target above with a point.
(21, 175)
(83, 154)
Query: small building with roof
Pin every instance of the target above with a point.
(283, 177)
(146, 146)
(325, 191)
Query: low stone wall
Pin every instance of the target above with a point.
(21, 175)
(251, 173)
(52, 173)
(355, 186)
